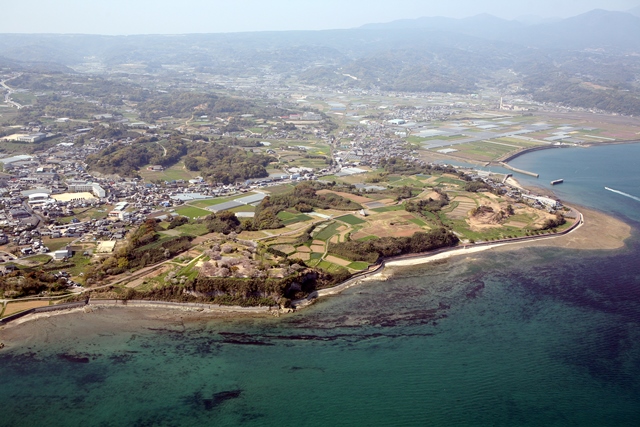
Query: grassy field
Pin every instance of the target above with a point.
(358, 265)
(409, 182)
(329, 267)
(288, 218)
(173, 173)
(482, 150)
(218, 200)
(80, 264)
(192, 212)
(192, 229)
(351, 220)
(389, 209)
(418, 222)
(56, 244)
(449, 180)
(328, 231)
(280, 189)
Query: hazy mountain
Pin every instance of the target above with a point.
(635, 11)
(596, 29)
(483, 25)
(588, 60)
(535, 20)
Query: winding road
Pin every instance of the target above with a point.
(7, 96)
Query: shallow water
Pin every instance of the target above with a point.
(535, 336)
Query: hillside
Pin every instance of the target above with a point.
(421, 55)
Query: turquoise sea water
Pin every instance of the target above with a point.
(535, 336)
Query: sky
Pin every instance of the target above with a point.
(121, 17)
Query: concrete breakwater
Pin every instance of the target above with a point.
(508, 157)
(524, 172)
(511, 156)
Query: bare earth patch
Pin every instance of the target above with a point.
(431, 195)
(287, 249)
(317, 248)
(304, 249)
(304, 256)
(16, 307)
(338, 261)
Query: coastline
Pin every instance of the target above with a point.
(598, 231)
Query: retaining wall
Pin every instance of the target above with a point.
(65, 306)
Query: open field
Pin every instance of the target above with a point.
(464, 205)
(17, 307)
(173, 173)
(280, 189)
(351, 220)
(191, 230)
(328, 231)
(192, 212)
(289, 218)
(218, 200)
(352, 197)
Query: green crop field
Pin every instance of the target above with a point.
(192, 229)
(329, 267)
(280, 189)
(192, 212)
(288, 218)
(351, 220)
(389, 209)
(358, 265)
(367, 238)
(419, 222)
(328, 231)
(174, 173)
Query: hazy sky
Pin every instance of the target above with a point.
(211, 16)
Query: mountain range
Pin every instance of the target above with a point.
(598, 28)
(557, 61)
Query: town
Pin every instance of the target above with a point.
(75, 189)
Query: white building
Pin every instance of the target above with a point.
(38, 198)
(91, 187)
(62, 254)
(545, 201)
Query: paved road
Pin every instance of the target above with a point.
(7, 96)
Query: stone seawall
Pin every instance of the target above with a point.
(58, 307)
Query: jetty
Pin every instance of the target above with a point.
(524, 172)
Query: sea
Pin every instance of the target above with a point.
(535, 336)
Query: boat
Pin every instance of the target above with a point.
(557, 181)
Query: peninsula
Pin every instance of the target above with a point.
(259, 194)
